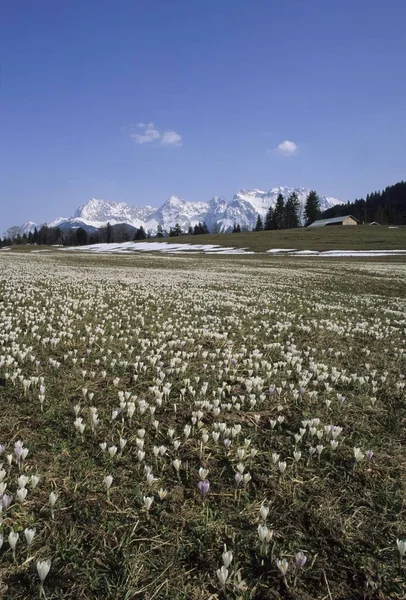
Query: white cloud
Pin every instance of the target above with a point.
(146, 133)
(286, 148)
(171, 138)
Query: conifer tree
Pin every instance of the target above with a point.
(81, 236)
(259, 226)
(312, 210)
(175, 231)
(278, 217)
(268, 219)
(140, 234)
(292, 211)
(109, 233)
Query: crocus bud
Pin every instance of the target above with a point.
(262, 531)
(112, 451)
(227, 558)
(147, 502)
(34, 481)
(22, 494)
(13, 539)
(282, 466)
(43, 568)
(6, 500)
(263, 511)
(369, 454)
(222, 575)
(203, 473)
(53, 498)
(401, 544)
(108, 480)
(301, 559)
(29, 535)
(204, 487)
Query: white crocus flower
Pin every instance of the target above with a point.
(148, 500)
(29, 535)
(222, 575)
(263, 511)
(43, 568)
(283, 566)
(227, 557)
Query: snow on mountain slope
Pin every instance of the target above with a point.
(102, 211)
(177, 210)
(28, 227)
(261, 201)
(218, 213)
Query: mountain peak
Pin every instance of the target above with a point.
(218, 213)
(174, 201)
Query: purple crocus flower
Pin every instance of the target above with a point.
(227, 443)
(2, 448)
(272, 389)
(302, 391)
(6, 500)
(204, 487)
(369, 454)
(301, 559)
(238, 478)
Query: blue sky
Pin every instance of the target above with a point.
(133, 101)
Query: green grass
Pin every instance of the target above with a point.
(131, 325)
(323, 238)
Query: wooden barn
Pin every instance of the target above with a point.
(347, 220)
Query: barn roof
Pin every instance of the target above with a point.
(322, 222)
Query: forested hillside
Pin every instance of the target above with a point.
(387, 207)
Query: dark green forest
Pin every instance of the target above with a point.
(387, 207)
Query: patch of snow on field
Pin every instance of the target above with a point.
(129, 247)
(338, 253)
(363, 253)
(280, 250)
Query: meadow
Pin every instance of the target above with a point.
(202, 428)
(363, 237)
(323, 239)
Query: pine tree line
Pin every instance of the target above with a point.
(387, 207)
(285, 215)
(54, 236)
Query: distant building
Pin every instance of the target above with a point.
(347, 220)
(374, 223)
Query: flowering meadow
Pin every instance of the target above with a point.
(202, 427)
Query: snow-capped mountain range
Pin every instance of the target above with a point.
(219, 214)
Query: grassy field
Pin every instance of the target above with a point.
(188, 429)
(325, 238)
